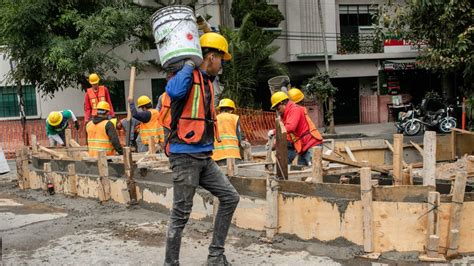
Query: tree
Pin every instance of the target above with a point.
(56, 43)
(251, 65)
(444, 28)
(263, 15)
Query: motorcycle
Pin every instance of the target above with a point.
(408, 122)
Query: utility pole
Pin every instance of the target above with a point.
(326, 62)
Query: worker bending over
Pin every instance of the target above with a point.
(228, 125)
(57, 123)
(300, 128)
(193, 130)
(101, 133)
(148, 118)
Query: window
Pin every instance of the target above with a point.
(9, 106)
(117, 95)
(351, 19)
(157, 88)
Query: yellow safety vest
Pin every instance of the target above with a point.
(229, 145)
(98, 140)
(150, 129)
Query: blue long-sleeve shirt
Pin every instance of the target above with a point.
(142, 116)
(177, 88)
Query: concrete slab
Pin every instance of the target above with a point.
(9, 220)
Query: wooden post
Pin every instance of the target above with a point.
(456, 212)
(131, 90)
(34, 144)
(19, 169)
(366, 198)
(230, 167)
(151, 145)
(47, 176)
(317, 167)
(72, 179)
(470, 165)
(429, 159)
(25, 169)
(397, 159)
(104, 183)
(268, 157)
(281, 151)
(68, 134)
(128, 165)
(271, 228)
(432, 245)
(408, 176)
(453, 145)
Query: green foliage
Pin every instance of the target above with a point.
(251, 64)
(262, 14)
(445, 27)
(57, 43)
(320, 88)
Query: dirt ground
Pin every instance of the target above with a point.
(39, 229)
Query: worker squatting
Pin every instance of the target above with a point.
(192, 134)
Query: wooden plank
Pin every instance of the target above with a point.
(67, 135)
(242, 165)
(453, 145)
(456, 212)
(131, 92)
(470, 165)
(397, 158)
(151, 145)
(334, 159)
(349, 152)
(416, 194)
(34, 144)
(429, 159)
(104, 183)
(271, 228)
(72, 179)
(129, 170)
(462, 131)
(317, 167)
(432, 245)
(366, 198)
(407, 176)
(268, 154)
(417, 147)
(55, 154)
(281, 151)
(230, 166)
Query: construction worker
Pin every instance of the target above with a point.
(229, 133)
(295, 95)
(57, 123)
(193, 129)
(101, 133)
(135, 139)
(94, 95)
(301, 130)
(148, 118)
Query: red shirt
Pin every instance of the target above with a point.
(88, 107)
(295, 122)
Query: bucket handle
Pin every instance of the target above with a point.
(162, 40)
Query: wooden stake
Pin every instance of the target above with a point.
(281, 151)
(230, 166)
(453, 145)
(131, 92)
(104, 183)
(349, 152)
(25, 169)
(408, 176)
(47, 176)
(129, 168)
(397, 158)
(470, 165)
(317, 167)
(432, 245)
(366, 198)
(151, 145)
(390, 147)
(456, 212)
(72, 178)
(68, 134)
(34, 144)
(272, 208)
(268, 157)
(429, 159)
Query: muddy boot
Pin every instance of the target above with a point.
(220, 260)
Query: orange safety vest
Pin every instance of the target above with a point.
(229, 145)
(150, 129)
(192, 121)
(312, 130)
(94, 99)
(164, 119)
(97, 139)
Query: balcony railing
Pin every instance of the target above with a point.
(358, 43)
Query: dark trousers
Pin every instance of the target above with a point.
(189, 174)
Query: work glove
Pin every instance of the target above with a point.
(76, 125)
(190, 62)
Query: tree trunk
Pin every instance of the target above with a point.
(332, 129)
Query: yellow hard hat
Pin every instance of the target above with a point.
(278, 97)
(93, 78)
(143, 100)
(55, 118)
(114, 122)
(295, 95)
(226, 102)
(216, 41)
(103, 105)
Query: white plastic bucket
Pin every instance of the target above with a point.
(176, 35)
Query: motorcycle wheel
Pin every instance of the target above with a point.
(412, 128)
(446, 124)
